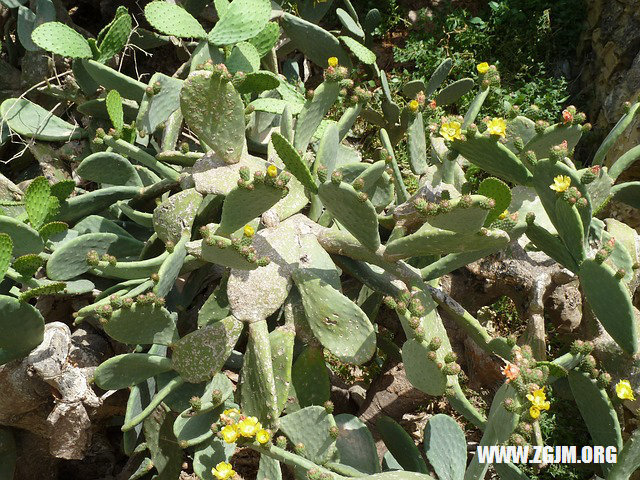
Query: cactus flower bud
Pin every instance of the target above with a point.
(328, 406)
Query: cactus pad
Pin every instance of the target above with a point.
(173, 20)
(445, 447)
(61, 39)
(400, 445)
(176, 214)
(130, 369)
(355, 444)
(70, 259)
(22, 326)
(143, 324)
(206, 96)
(310, 426)
(198, 356)
(293, 161)
(33, 121)
(244, 19)
(310, 384)
(109, 168)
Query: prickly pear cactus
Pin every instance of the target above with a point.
(228, 234)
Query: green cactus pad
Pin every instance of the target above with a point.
(61, 39)
(570, 228)
(258, 388)
(205, 96)
(310, 384)
(597, 411)
(628, 458)
(142, 324)
(552, 246)
(361, 52)
(315, 42)
(355, 444)
(275, 106)
(349, 24)
(462, 218)
(400, 445)
(114, 36)
(377, 183)
(624, 122)
(51, 229)
(500, 192)
(244, 19)
(438, 76)
(258, 82)
(173, 20)
(198, 356)
(413, 88)
(310, 426)
(125, 246)
(268, 469)
(176, 214)
(25, 239)
(32, 121)
(130, 369)
(293, 161)
(266, 39)
(541, 143)
(625, 251)
(624, 161)
(70, 259)
(37, 201)
(498, 429)
(244, 58)
(6, 248)
(170, 268)
(243, 205)
(166, 454)
(192, 430)
(282, 340)
(328, 148)
(609, 299)
(112, 79)
(495, 158)
(417, 145)
(205, 459)
(445, 447)
(453, 92)
(313, 112)
(474, 107)
(97, 108)
(109, 168)
(157, 108)
(339, 324)
(429, 240)
(357, 216)
(26, 265)
(22, 326)
(522, 128)
(544, 173)
(115, 110)
(27, 21)
(51, 288)
(628, 193)
(227, 257)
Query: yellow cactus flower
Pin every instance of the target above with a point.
(229, 433)
(534, 412)
(231, 412)
(272, 171)
(223, 471)
(333, 62)
(248, 427)
(249, 231)
(624, 390)
(560, 183)
(483, 68)
(451, 130)
(497, 126)
(538, 399)
(503, 215)
(263, 436)
(414, 105)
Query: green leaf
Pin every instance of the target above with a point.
(114, 108)
(173, 20)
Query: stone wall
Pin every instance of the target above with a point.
(609, 52)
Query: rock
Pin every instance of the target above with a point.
(564, 307)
